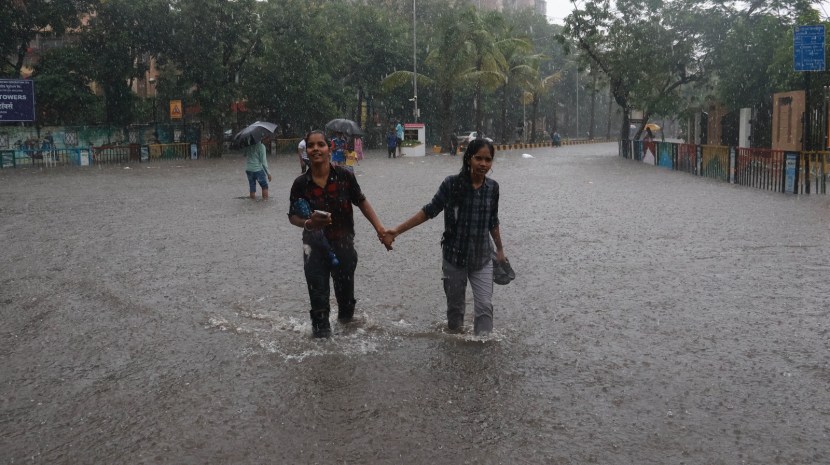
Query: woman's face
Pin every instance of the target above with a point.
(317, 149)
(481, 162)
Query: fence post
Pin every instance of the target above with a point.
(699, 160)
(732, 164)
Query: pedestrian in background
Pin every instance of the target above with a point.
(358, 148)
(470, 202)
(303, 156)
(256, 168)
(338, 149)
(329, 191)
(399, 135)
(391, 143)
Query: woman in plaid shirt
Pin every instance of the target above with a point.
(470, 202)
(331, 191)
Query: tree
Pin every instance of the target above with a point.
(447, 65)
(22, 20)
(536, 88)
(648, 49)
(120, 37)
(516, 68)
(209, 44)
(64, 95)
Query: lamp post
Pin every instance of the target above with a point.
(414, 63)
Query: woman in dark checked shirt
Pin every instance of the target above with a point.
(470, 202)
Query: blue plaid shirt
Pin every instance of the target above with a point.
(467, 223)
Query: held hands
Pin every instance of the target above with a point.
(388, 237)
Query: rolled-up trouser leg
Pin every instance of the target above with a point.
(481, 281)
(455, 288)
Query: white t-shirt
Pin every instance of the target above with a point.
(301, 149)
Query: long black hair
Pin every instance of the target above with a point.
(464, 181)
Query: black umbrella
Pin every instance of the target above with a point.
(344, 125)
(253, 133)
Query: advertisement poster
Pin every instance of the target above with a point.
(17, 100)
(790, 165)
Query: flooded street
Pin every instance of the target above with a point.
(156, 315)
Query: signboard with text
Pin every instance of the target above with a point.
(17, 100)
(808, 48)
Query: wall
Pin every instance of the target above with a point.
(787, 112)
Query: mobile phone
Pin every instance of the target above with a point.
(322, 213)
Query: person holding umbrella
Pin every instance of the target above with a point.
(256, 168)
(329, 191)
(256, 162)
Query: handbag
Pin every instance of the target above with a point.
(502, 272)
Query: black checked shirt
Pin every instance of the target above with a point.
(337, 197)
(467, 224)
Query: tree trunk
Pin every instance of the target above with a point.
(593, 107)
(477, 103)
(446, 119)
(625, 123)
(504, 115)
(610, 103)
(359, 118)
(533, 113)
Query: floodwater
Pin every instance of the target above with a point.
(152, 315)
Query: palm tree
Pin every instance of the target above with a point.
(488, 60)
(535, 89)
(518, 67)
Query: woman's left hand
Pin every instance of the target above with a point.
(500, 257)
(269, 178)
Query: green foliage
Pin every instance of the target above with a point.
(64, 95)
(303, 62)
(22, 20)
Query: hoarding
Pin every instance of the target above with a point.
(17, 100)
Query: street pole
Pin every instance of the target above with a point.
(577, 102)
(414, 62)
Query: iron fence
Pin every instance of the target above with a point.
(106, 155)
(774, 170)
(813, 172)
(760, 168)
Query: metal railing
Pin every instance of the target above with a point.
(107, 155)
(773, 170)
(760, 168)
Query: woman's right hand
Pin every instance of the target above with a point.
(319, 221)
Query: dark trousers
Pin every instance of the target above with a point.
(318, 269)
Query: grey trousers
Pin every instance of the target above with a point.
(455, 288)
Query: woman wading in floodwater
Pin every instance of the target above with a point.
(329, 191)
(470, 202)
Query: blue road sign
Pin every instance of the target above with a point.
(808, 48)
(17, 100)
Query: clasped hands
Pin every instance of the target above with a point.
(387, 237)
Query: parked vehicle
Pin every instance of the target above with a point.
(465, 137)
